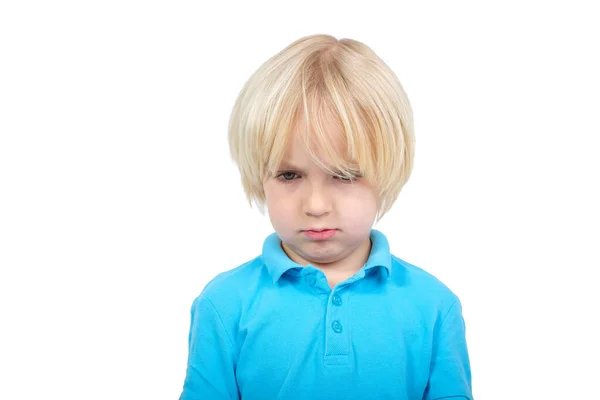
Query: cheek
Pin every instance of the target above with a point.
(279, 206)
(278, 210)
(361, 206)
(282, 218)
(277, 200)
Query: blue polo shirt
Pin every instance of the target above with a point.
(272, 329)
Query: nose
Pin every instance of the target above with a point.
(317, 201)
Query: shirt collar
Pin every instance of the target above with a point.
(278, 263)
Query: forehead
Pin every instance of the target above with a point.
(302, 142)
(323, 141)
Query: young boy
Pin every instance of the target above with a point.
(322, 134)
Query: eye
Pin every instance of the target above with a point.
(287, 176)
(346, 178)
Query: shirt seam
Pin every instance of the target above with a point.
(448, 313)
(443, 321)
(222, 324)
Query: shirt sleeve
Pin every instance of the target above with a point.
(450, 371)
(210, 370)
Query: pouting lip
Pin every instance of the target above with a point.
(318, 229)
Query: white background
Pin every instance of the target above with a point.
(118, 199)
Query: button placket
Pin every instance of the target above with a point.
(336, 300)
(337, 340)
(310, 275)
(337, 326)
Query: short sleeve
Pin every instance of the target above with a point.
(210, 370)
(450, 371)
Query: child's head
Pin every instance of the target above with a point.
(322, 108)
(315, 79)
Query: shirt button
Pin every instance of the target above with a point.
(337, 327)
(336, 300)
(311, 280)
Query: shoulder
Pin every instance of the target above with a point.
(231, 288)
(423, 287)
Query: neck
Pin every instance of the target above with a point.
(347, 266)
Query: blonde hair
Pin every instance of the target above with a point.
(322, 78)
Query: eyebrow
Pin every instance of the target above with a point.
(287, 165)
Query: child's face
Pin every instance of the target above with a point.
(301, 198)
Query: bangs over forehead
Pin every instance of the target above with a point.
(315, 82)
(318, 127)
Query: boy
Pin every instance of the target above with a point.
(322, 134)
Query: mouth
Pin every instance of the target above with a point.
(320, 234)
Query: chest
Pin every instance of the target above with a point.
(363, 343)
